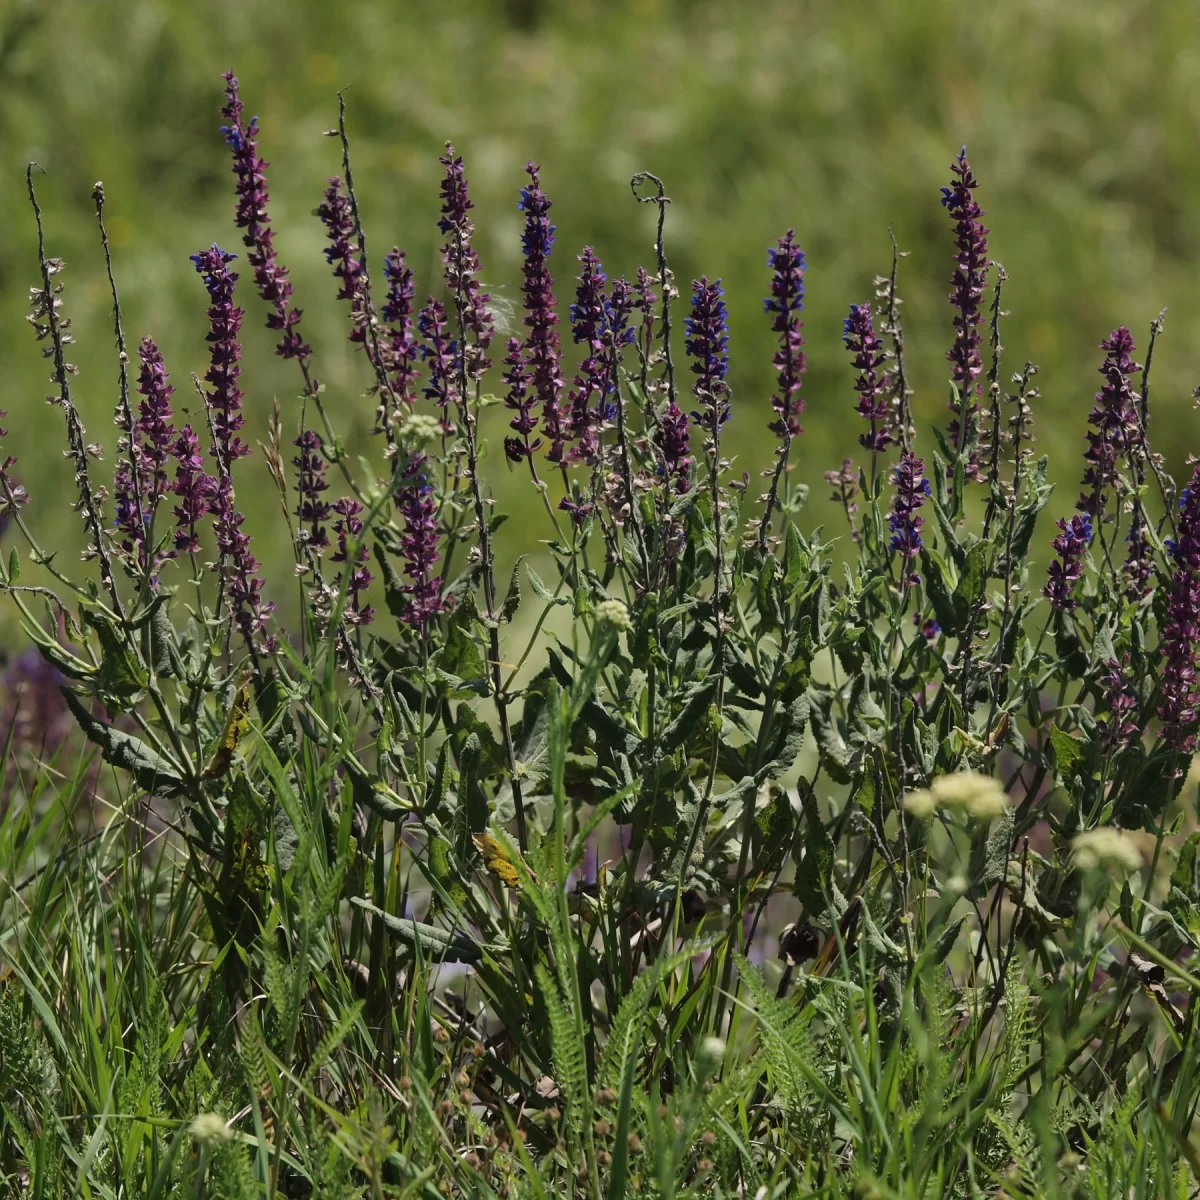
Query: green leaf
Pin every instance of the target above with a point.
(541, 590)
(512, 601)
(937, 587)
(1068, 751)
(121, 673)
(438, 945)
(152, 773)
(814, 873)
(14, 566)
(789, 735)
(686, 723)
(970, 583)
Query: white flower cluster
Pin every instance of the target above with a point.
(1106, 846)
(979, 796)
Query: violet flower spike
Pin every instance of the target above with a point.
(858, 332)
(1114, 423)
(1180, 636)
(194, 488)
(398, 311)
(912, 490)
(1065, 571)
(969, 280)
(462, 264)
(673, 440)
(645, 302)
(419, 544)
(439, 352)
(336, 214)
(141, 477)
(1120, 726)
(245, 586)
(786, 302)
(589, 328)
(542, 352)
(270, 275)
(520, 400)
(312, 509)
(348, 528)
(225, 322)
(707, 342)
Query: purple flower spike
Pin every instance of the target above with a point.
(270, 275)
(542, 352)
(912, 489)
(589, 328)
(349, 526)
(520, 400)
(439, 352)
(239, 565)
(786, 302)
(312, 509)
(141, 477)
(858, 332)
(1180, 696)
(1065, 571)
(398, 311)
(1114, 423)
(1120, 727)
(337, 215)
(673, 438)
(969, 280)
(419, 544)
(707, 343)
(225, 322)
(645, 301)
(462, 263)
(194, 488)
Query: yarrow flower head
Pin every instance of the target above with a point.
(419, 544)
(541, 350)
(1073, 540)
(707, 343)
(270, 275)
(969, 280)
(979, 796)
(785, 303)
(1114, 424)
(858, 332)
(912, 490)
(225, 322)
(1106, 847)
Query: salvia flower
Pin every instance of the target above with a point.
(419, 544)
(337, 215)
(1179, 695)
(707, 343)
(462, 264)
(239, 565)
(786, 302)
(312, 509)
(912, 490)
(141, 476)
(673, 439)
(589, 328)
(270, 275)
(193, 487)
(398, 311)
(225, 322)
(520, 400)
(542, 351)
(1073, 539)
(866, 349)
(1119, 727)
(439, 352)
(1138, 570)
(645, 302)
(349, 526)
(969, 280)
(1114, 423)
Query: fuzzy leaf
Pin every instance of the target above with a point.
(438, 945)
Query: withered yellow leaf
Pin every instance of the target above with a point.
(496, 859)
(236, 724)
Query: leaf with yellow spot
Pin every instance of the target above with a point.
(236, 724)
(497, 860)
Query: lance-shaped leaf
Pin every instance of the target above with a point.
(151, 772)
(437, 945)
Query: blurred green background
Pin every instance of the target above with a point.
(1082, 118)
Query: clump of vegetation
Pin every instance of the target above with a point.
(733, 870)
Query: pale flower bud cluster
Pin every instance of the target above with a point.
(1106, 847)
(979, 796)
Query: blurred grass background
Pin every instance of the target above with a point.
(1082, 118)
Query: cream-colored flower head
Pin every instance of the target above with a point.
(1107, 846)
(615, 613)
(210, 1127)
(979, 796)
(417, 429)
